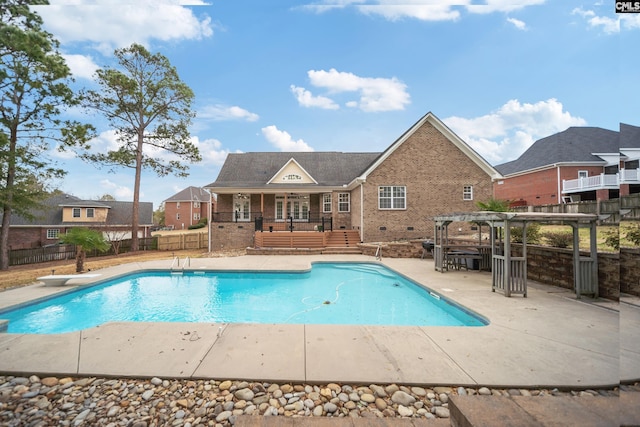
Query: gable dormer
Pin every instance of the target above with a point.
(292, 173)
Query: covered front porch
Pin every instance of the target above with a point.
(301, 220)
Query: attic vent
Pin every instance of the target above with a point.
(292, 177)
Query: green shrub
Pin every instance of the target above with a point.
(612, 239)
(198, 225)
(533, 233)
(633, 234)
(559, 239)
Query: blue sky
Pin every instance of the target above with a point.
(351, 75)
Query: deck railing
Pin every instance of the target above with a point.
(594, 182)
(311, 223)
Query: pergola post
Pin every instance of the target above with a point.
(576, 259)
(507, 258)
(593, 246)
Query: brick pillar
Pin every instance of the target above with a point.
(602, 194)
(624, 190)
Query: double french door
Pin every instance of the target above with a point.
(297, 207)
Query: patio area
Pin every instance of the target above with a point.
(549, 339)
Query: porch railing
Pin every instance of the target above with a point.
(312, 223)
(594, 182)
(235, 216)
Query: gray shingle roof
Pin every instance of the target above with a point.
(573, 145)
(51, 214)
(254, 170)
(190, 194)
(629, 136)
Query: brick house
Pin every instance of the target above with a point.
(187, 207)
(61, 212)
(578, 164)
(371, 197)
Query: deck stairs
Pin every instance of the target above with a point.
(342, 242)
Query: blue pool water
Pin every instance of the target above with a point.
(340, 293)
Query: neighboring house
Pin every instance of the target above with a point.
(187, 207)
(62, 212)
(384, 196)
(578, 164)
(629, 159)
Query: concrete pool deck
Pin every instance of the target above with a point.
(548, 339)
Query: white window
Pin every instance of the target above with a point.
(326, 202)
(53, 233)
(177, 205)
(196, 204)
(467, 192)
(196, 217)
(177, 216)
(90, 212)
(583, 174)
(344, 202)
(392, 197)
(76, 212)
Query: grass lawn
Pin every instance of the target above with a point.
(602, 232)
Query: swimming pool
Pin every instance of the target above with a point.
(330, 293)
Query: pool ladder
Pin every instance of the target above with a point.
(379, 253)
(176, 263)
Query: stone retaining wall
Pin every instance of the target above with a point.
(630, 271)
(552, 266)
(230, 235)
(408, 249)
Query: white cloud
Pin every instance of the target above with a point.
(517, 23)
(491, 6)
(507, 132)
(606, 24)
(630, 21)
(283, 141)
(375, 94)
(81, 66)
(424, 10)
(211, 151)
(306, 99)
(120, 192)
(220, 112)
(108, 27)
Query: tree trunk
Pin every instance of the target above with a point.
(80, 256)
(8, 202)
(4, 238)
(136, 193)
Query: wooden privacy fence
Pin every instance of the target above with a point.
(44, 254)
(62, 252)
(176, 242)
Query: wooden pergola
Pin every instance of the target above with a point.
(509, 273)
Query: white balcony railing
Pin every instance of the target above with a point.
(602, 181)
(630, 176)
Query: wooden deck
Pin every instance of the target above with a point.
(307, 239)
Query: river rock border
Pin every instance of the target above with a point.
(39, 402)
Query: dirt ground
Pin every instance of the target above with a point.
(26, 274)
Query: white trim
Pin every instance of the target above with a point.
(291, 160)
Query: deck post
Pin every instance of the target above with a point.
(593, 246)
(507, 258)
(576, 259)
